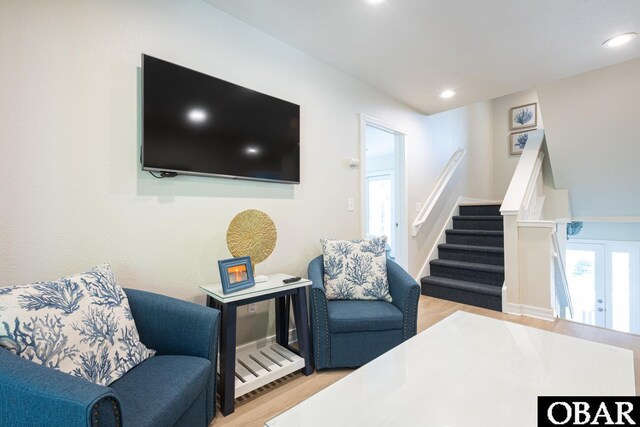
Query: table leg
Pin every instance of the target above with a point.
(282, 337)
(302, 328)
(213, 303)
(227, 358)
(282, 321)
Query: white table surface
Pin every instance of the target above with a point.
(273, 284)
(467, 370)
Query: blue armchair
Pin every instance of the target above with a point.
(349, 333)
(174, 388)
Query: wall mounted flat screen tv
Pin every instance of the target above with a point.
(196, 124)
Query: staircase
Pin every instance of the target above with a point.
(470, 267)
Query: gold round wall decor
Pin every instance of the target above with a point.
(252, 233)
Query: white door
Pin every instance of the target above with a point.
(604, 283)
(586, 278)
(383, 186)
(623, 286)
(380, 208)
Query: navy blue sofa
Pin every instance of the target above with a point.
(177, 387)
(348, 334)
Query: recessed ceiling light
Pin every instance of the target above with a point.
(375, 1)
(620, 40)
(252, 150)
(447, 93)
(197, 115)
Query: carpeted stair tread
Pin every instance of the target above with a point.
(471, 248)
(479, 209)
(471, 253)
(476, 232)
(476, 222)
(462, 285)
(468, 265)
(478, 217)
(475, 237)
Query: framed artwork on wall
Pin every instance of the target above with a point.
(523, 116)
(517, 141)
(236, 274)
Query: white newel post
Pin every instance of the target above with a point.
(511, 290)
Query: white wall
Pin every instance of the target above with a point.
(468, 127)
(535, 271)
(504, 164)
(73, 194)
(593, 138)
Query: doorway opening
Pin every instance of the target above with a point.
(383, 186)
(604, 283)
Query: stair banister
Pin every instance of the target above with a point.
(532, 203)
(442, 182)
(525, 177)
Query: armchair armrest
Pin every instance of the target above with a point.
(35, 395)
(320, 342)
(175, 327)
(405, 293)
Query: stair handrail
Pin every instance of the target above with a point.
(564, 283)
(442, 182)
(520, 193)
(531, 209)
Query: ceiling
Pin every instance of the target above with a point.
(414, 49)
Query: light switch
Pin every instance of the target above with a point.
(350, 204)
(418, 207)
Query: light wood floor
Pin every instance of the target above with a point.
(255, 408)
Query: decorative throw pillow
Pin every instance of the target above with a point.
(356, 269)
(80, 324)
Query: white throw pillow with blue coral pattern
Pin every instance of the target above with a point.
(80, 324)
(356, 269)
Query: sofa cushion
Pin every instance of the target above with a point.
(79, 324)
(158, 391)
(361, 316)
(355, 269)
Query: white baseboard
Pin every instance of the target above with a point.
(530, 311)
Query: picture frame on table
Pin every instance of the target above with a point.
(236, 274)
(518, 140)
(523, 116)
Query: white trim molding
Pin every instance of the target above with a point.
(381, 123)
(607, 218)
(469, 201)
(505, 298)
(530, 311)
(401, 178)
(426, 270)
(537, 224)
